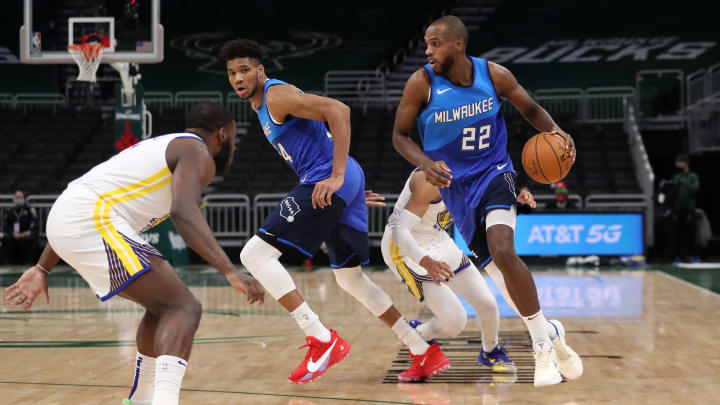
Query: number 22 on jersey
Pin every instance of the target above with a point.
(469, 141)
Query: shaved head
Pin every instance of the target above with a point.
(453, 26)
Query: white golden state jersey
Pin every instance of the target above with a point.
(135, 183)
(434, 223)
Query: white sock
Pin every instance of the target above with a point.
(310, 323)
(169, 372)
(410, 337)
(537, 326)
(142, 390)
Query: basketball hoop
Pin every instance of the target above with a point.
(88, 56)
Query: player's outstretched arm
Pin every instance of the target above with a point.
(284, 100)
(422, 194)
(507, 86)
(414, 97)
(193, 171)
(33, 282)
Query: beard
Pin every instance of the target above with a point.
(446, 65)
(223, 158)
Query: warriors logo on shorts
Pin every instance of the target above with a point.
(444, 220)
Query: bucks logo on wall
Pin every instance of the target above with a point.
(444, 220)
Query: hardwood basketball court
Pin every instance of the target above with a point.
(645, 337)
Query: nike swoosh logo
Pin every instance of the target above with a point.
(182, 364)
(313, 366)
(444, 90)
(422, 363)
(500, 167)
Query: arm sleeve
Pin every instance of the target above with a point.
(402, 235)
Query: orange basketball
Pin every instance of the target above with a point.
(544, 158)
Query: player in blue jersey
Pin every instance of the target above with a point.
(455, 101)
(328, 205)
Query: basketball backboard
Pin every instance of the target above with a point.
(132, 26)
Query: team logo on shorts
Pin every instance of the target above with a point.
(444, 219)
(289, 209)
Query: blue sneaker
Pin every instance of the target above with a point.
(498, 360)
(414, 324)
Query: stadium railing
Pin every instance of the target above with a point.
(7, 100)
(263, 204)
(233, 218)
(641, 161)
(542, 200)
(186, 99)
(665, 84)
(605, 104)
(239, 107)
(704, 126)
(42, 204)
(159, 100)
(378, 218)
(569, 103)
(229, 217)
(714, 75)
(360, 88)
(39, 100)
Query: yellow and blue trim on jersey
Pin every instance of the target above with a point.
(412, 279)
(127, 259)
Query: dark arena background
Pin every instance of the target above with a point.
(637, 85)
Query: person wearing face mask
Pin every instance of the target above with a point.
(561, 197)
(686, 184)
(20, 231)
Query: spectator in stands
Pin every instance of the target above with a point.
(686, 184)
(561, 197)
(20, 231)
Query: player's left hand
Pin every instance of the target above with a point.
(247, 285)
(322, 194)
(31, 284)
(569, 143)
(374, 199)
(526, 197)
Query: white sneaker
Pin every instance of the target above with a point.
(569, 362)
(546, 366)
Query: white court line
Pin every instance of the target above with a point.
(681, 281)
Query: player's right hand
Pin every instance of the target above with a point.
(32, 283)
(437, 173)
(246, 285)
(440, 272)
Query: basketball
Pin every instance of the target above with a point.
(544, 158)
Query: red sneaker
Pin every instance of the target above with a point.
(426, 365)
(320, 357)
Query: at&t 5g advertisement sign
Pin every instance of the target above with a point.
(541, 234)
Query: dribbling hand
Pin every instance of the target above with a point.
(437, 173)
(31, 284)
(246, 285)
(440, 272)
(569, 143)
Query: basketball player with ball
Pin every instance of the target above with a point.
(455, 101)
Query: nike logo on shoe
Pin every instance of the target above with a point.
(500, 167)
(422, 363)
(314, 366)
(444, 90)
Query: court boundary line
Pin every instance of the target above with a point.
(376, 401)
(695, 286)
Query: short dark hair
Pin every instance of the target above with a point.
(454, 26)
(241, 48)
(209, 116)
(683, 157)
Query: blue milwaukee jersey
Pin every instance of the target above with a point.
(306, 145)
(463, 126)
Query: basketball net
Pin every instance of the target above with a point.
(87, 57)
